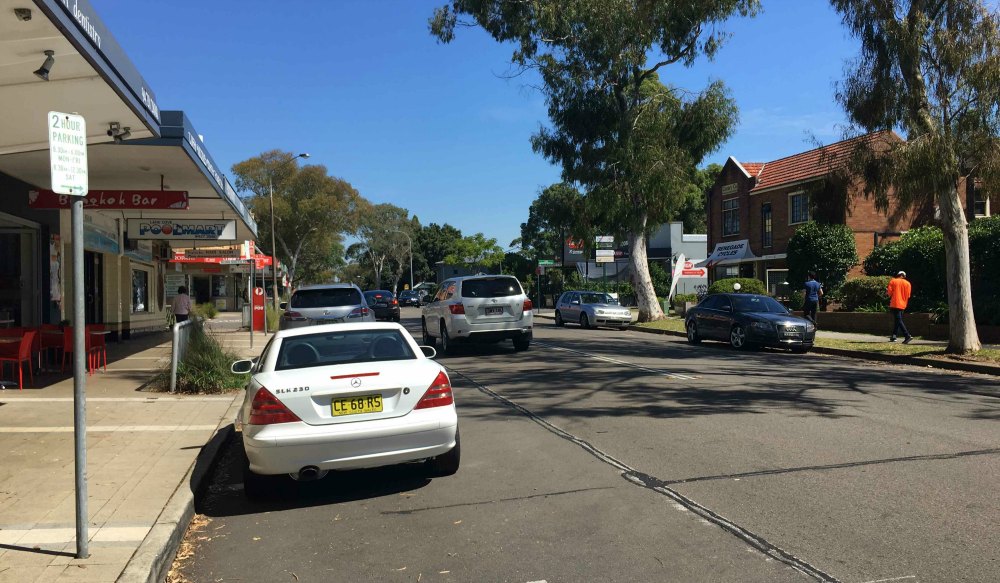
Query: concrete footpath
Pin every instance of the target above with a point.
(146, 454)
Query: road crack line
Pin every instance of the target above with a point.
(659, 486)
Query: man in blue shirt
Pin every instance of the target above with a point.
(813, 292)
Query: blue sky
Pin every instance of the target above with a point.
(436, 129)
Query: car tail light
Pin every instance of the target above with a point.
(457, 308)
(528, 306)
(268, 410)
(395, 302)
(294, 316)
(358, 312)
(438, 394)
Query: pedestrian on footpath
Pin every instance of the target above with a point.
(899, 296)
(813, 292)
(182, 304)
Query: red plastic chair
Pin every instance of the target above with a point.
(98, 346)
(67, 345)
(47, 341)
(19, 354)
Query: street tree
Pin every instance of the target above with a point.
(381, 244)
(693, 209)
(312, 212)
(930, 69)
(628, 140)
(557, 213)
(476, 252)
(435, 242)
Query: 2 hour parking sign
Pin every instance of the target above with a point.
(68, 153)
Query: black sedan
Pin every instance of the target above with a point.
(747, 320)
(384, 304)
(409, 298)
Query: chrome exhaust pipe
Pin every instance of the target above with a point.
(308, 474)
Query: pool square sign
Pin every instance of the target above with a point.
(68, 153)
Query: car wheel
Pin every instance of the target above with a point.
(584, 321)
(446, 344)
(521, 343)
(446, 464)
(800, 350)
(256, 486)
(738, 337)
(427, 339)
(559, 320)
(692, 333)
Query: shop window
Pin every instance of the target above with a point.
(726, 271)
(730, 217)
(219, 287)
(140, 290)
(798, 208)
(766, 226)
(777, 283)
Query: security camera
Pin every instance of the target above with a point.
(23, 14)
(114, 129)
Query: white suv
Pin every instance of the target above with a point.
(485, 308)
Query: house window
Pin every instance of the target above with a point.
(981, 205)
(798, 208)
(730, 217)
(766, 230)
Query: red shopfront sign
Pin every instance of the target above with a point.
(112, 200)
(260, 261)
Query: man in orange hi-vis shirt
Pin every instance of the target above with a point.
(899, 295)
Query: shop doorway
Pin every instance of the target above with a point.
(202, 289)
(19, 291)
(93, 288)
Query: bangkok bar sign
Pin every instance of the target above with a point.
(112, 199)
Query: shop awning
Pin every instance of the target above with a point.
(729, 253)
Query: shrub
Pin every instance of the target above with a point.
(865, 294)
(273, 316)
(827, 250)
(795, 300)
(204, 368)
(679, 299)
(660, 277)
(920, 253)
(207, 310)
(748, 285)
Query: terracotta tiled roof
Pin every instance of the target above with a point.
(812, 164)
(752, 168)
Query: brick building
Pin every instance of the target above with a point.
(754, 208)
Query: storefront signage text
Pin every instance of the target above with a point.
(729, 188)
(221, 230)
(112, 199)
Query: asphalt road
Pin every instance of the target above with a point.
(602, 455)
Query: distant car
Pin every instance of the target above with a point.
(384, 304)
(344, 396)
(747, 320)
(479, 308)
(409, 298)
(590, 309)
(325, 304)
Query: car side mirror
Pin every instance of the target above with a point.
(242, 366)
(428, 351)
(283, 305)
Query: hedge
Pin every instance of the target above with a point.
(827, 250)
(865, 294)
(748, 285)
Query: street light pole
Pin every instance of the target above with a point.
(274, 248)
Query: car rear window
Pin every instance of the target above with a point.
(492, 287)
(342, 347)
(372, 296)
(325, 297)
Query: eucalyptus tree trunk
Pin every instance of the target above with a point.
(962, 334)
(645, 295)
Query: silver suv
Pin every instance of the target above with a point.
(484, 308)
(326, 304)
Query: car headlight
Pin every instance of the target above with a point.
(810, 327)
(764, 326)
(599, 312)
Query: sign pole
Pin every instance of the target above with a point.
(250, 292)
(79, 382)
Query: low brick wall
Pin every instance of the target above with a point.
(880, 324)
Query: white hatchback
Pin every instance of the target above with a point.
(345, 396)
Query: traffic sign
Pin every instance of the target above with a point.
(605, 259)
(605, 242)
(605, 253)
(546, 262)
(68, 153)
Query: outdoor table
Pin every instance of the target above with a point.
(6, 323)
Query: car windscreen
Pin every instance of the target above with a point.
(491, 287)
(342, 347)
(325, 297)
(764, 304)
(591, 298)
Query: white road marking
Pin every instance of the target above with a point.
(665, 373)
(892, 579)
(16, 399)
(108, 428)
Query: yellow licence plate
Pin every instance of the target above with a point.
(356, 405)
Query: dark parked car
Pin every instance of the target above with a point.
(384, 304)
(409, 298)
(746, 320)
